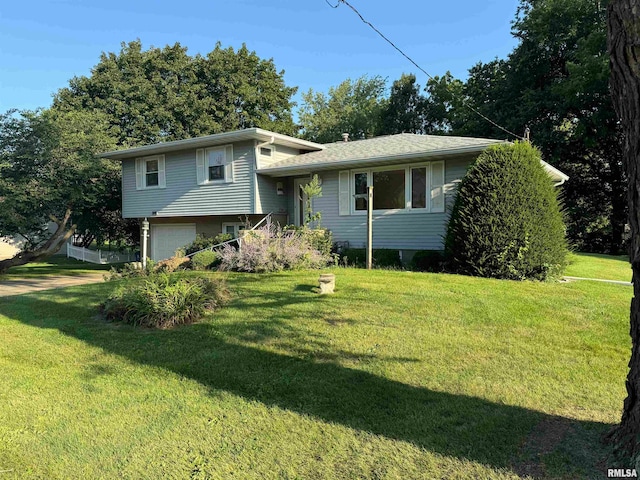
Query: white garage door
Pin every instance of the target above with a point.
(166, 239)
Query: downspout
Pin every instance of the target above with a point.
(561, 182)
(271, 141)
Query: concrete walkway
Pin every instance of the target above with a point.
(29, 285)
(617, 282)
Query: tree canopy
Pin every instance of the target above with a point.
(555, 82)
(353, 107)
(48, 171)
(164, 94)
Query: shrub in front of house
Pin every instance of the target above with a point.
(320, 239)
(353, 257)
(382, 258)
(386, 258)
(506, 221)
(162, 300)
(427, 261)
(272, 249)
(130, 270)
(205, 260)
(201, 242)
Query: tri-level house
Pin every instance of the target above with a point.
(217, 183)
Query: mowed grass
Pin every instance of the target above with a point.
(396, 375)
(54, 265)
(594, 265)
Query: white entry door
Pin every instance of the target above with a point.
(166, 239)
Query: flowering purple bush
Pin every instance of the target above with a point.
(270, 249)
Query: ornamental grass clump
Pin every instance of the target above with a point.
(272, 249)
(506, 221)
(163, 301)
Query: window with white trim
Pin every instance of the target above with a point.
(406, 188)
(214, 165)
(266, 151)
(150, 172)
(233, 228)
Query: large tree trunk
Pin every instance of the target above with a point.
(624, 49)
(619, 214)
(51, 246)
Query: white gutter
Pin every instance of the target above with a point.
(271, 141)
(555, 174)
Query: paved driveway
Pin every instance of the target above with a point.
(28, 285)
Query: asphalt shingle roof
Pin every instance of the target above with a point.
(382, 148)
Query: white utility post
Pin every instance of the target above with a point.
(145, 236)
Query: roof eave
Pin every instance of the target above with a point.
(212, 140)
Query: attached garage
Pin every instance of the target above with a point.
(167, 238)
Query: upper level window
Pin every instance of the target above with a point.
(150, 172)
(214, 165)
(216, 161)
(266, 151)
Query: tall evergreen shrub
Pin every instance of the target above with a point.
(506, 221)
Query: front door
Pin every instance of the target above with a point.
(299, 201)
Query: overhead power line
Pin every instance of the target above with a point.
(384, 37)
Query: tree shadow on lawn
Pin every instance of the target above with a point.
(500, 436)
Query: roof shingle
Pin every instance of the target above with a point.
(382, 148)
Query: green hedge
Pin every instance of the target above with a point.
(506, 221)
(382, 257)
(427, 261)
(201, 242)
(205, 260)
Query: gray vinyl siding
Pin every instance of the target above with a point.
(183, 196)
(278, 153)
(267, 198)
(399, 230)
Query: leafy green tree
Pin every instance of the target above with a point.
(353, 107)
(311, 190)
(555, 82)
(164, 94)
(444, 113)
(48, 173)
(405, 109)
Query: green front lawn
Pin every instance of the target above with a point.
(397, 375)
(54, 265)
(594, 265)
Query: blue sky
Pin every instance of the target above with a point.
(44, 43)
